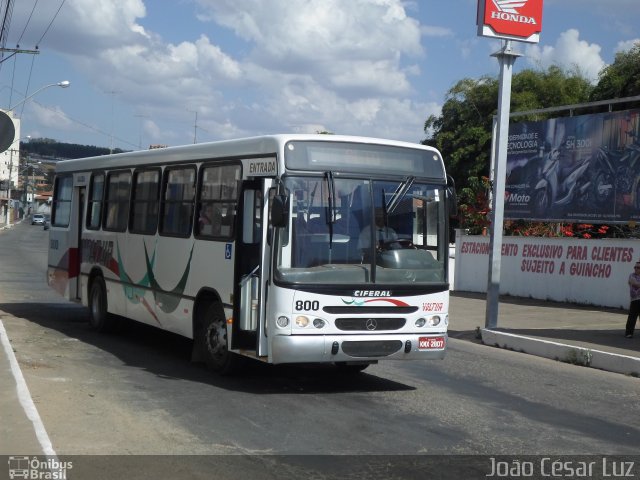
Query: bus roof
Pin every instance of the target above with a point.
(238, 148)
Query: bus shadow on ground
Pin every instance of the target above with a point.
(168, 356)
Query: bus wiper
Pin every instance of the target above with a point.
(330, 213)
(385, 211)
(399, 194)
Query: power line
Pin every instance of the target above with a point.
(50, 23)
(90, 127)
(28, 81)
(6, 21)
(27, 24)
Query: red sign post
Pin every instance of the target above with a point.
(510, 19)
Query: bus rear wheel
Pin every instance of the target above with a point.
(211, 338)
(100, 319)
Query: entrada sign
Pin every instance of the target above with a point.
(510, 19)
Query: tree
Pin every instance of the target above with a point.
(621, 78)
(47, 147)
(463, 130)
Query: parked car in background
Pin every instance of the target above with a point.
(37, 219)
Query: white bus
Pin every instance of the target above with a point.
(262, 247)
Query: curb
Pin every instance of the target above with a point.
(586, 357)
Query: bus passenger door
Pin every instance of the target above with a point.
(247, 322)
(75, 261)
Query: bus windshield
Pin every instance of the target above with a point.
(348, 231)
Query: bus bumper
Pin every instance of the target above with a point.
(356, 348)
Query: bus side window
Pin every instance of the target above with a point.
(96, 191)
(178, 200)
(217, 201)
(63, 191)
(117, 201)
(145, 198)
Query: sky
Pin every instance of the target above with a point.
(176, 72)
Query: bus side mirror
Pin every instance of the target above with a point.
(279, 211)
(452, 198)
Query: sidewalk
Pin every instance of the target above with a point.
(579, 334)
(3, 222)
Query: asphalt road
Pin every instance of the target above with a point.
(137, 393)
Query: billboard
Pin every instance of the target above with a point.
(510, 19)
(582, 169)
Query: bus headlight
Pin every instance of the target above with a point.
(420, 322)
(302, 321)
(318, 323)
(433, 321)
(282, 321)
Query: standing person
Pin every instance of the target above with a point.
(634, 306)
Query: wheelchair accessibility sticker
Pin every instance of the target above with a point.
(227, 251)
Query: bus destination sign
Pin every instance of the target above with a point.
(510, 19)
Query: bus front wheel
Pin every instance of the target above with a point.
(100, 319)
(211, 339)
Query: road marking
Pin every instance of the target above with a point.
(25, 397)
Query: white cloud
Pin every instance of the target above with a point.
(81, 26)
(569, 52)
(431, 31)
(51, 117)
(343, 66)
(626, 46)
(329, 39)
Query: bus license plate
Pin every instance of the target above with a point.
(431, 343)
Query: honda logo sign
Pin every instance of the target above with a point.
(510, 19)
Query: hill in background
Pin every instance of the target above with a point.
(48, 148)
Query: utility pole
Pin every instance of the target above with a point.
(112, 93)
(8, 222)
(195, 125)
(15, 51)
(140, 116)
(195, 128)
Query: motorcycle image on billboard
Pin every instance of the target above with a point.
(582, 169)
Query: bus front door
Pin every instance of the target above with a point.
(247, 324)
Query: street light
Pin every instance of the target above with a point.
(63, 84)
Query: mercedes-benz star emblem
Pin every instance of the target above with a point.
(371, 324)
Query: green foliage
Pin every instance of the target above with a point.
(462, 132)
(621, 78)
(47, 147)
(532, 90)
(526, 228)
(474, 205)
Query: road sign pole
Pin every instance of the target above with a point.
(507, 57)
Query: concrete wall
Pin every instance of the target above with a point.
(589, 272)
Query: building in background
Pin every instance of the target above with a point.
(9, 172)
